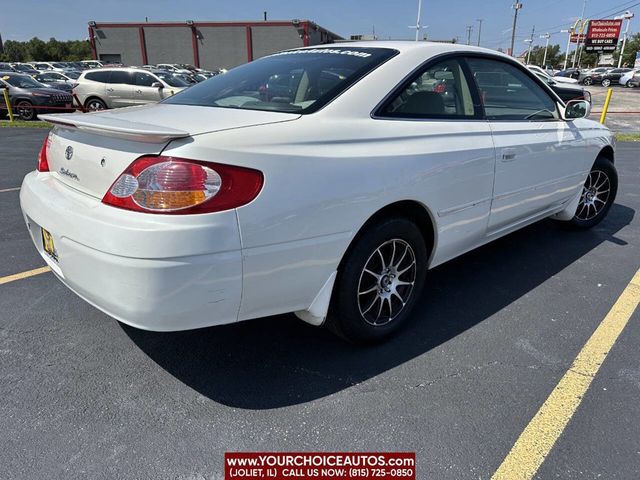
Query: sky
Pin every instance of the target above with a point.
(67, 20)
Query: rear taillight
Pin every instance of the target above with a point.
(179, 186)
(43, 162)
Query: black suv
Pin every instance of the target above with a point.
(29, 97)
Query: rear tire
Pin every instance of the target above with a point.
(598, 194)
(379, 282)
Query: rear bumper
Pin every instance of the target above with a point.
(155, 272)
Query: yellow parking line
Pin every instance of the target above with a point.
(542, 432)
(10, 190)
(21, 275)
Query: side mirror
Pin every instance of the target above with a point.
(157, 85)
(577, 109)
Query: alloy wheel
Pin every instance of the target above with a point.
(606, 82)
(386, 282)
(587, 81)
(25, 110)
(95, 105)
(595, 195)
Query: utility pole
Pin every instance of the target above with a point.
(566, 55)
(516, 6)
(530, 42)
(628, 16)
(580, 22)
(469, 30)
(546, 46)
(480, 20)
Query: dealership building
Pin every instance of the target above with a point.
(207, 45)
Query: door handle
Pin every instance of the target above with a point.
(109, 89)
(508, 155)
(139, 91)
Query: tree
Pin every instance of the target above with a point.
(37, 49)
(14, 51)
(631, 48)
(537, 55)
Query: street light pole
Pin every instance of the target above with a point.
(628, 16)
(480, 20)
(582, 23)
(529, 41)
(418, 21)
(547, 36)
(469, 30)
(566, 55)
(516, 6)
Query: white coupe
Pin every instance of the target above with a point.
(323, 181)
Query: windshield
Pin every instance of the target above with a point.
(171, 80)
(22, 68)
(300, 81)
(22, 81)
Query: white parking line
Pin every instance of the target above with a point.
(10, 190)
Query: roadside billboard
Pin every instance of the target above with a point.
(602, 35)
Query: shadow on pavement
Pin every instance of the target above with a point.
(280, 361)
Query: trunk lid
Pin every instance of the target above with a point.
(89, 151)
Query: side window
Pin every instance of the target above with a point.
(100, 76)
(440, 91)
(508, 93)
(120, 76)
(143, 79)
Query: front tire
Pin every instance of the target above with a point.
(95, 104)
(379, 282)
(587, 81)
(598, 194)
(25, 110)
(606, 82)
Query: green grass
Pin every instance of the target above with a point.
(628, 137)
(24, 124)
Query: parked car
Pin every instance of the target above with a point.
(559, 79)
(61, 81)
(625, 80)
(635, 80)
(221, 204)
(91, 64)
(586, 76)
(610, 76)
(572, 73)
(29, 98)
(46, 66)
(23, 68)
(102, 88)
(6, 67)
(174, 68)
(566, 91)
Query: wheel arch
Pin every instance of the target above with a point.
(608, 153)
(93, 97)
(413, 210)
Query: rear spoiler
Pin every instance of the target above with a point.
(114, 127)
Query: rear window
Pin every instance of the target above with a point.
(100, 76)
(297, 81)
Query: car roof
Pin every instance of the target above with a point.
(429, 48)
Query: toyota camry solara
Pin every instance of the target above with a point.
(323, 181)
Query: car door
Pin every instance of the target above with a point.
(119, 90)
(539, 156)
(143, 91)
(433, 124)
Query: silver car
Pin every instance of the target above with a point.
(102, 88)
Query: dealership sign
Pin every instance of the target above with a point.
(602, 35)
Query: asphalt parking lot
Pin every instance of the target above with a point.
(85, 397)
(624, 108)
